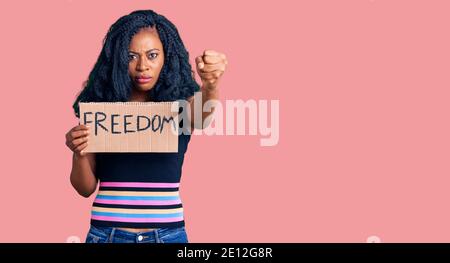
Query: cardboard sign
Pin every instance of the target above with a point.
(131, 126)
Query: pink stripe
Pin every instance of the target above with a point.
(137, 220)
(143, 185)
(137, 202)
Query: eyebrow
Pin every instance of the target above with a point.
(145, 51)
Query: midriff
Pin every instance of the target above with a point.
(137, 230)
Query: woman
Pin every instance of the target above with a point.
(143, 59)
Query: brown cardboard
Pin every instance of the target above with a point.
(109, 133)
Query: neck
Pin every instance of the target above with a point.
(139, 96)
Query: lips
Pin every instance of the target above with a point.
(143, 79)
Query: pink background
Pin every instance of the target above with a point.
(364, 131)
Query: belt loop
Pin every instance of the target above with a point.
(111, 235)
(157, 236)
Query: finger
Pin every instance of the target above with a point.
(80, 127)
(211, 75)
(198, 59)
(207, 76)
(79, 141)
(69, 144)
(210, 52)
(213, 67)
(81, 147)
(212, 59)
(224, 58)
(79, 133)
(199, 62)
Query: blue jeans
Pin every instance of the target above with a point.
(98, 234)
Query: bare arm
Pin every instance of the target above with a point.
(82, 176)
(206, 95)
(210, 67)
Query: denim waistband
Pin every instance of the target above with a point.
(152, 236)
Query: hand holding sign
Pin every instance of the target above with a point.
(210, 67)
(77, 139)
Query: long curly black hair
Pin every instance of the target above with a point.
(109, 80)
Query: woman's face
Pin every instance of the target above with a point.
(146, 59)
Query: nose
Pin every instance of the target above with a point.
(142, 65)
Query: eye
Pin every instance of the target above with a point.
(132, 56)
(152, 55)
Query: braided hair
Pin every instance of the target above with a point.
(109, 80)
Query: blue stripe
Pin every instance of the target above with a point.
(116, 197)
(137, 215)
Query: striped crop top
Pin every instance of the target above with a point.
(139, 190)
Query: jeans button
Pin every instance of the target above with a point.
(140, 238)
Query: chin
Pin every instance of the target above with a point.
(144, 88)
